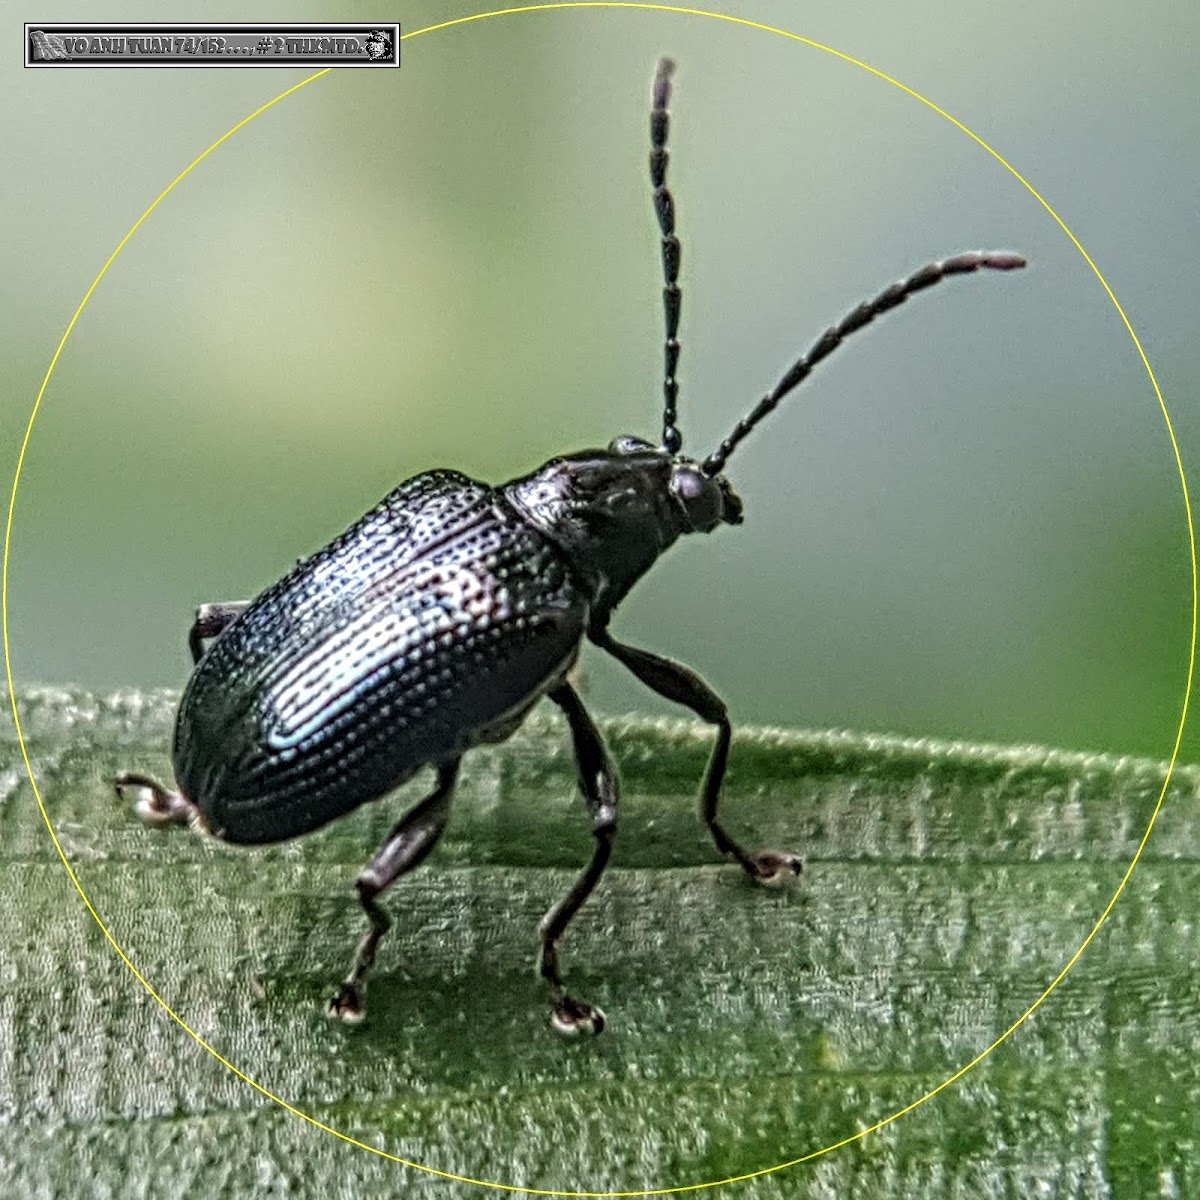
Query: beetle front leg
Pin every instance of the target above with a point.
(411, 839)
(676, 682)
(210, 620)
(598, 782)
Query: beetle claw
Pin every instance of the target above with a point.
(772, 868)
(571, 1017)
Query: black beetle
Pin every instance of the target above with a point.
(441, 618)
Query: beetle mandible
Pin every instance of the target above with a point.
(443, 616)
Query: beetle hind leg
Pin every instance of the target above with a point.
(411, 839)
(598, 782)
(156, 804)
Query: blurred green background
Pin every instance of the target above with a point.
(969, 523)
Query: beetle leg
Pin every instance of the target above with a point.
(598, 782)
(157, 804)
(210, 620)
(679, 683)
(411, 839)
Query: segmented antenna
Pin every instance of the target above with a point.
(864, 314)
(664, 209)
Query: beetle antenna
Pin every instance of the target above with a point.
(664, 209)
(864, 314)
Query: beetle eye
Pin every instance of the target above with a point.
(689, 485)
(699, 496)
(628, 444)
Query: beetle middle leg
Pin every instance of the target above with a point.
(598, 782)
(676, 682)
(411, 839)
(210, 620)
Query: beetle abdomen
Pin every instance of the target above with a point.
(421, 630)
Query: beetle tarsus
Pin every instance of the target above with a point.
(571, 1017)
(767, 867)
(349, 1003)
(156, 804)
(568, 1016)
(773, 868)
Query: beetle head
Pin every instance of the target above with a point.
(614, 511)
(698, 502)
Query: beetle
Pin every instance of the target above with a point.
(441, 618)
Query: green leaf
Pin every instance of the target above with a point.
(945, 887)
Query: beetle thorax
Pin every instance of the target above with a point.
(614, 511)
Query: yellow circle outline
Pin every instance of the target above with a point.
(630, 4)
